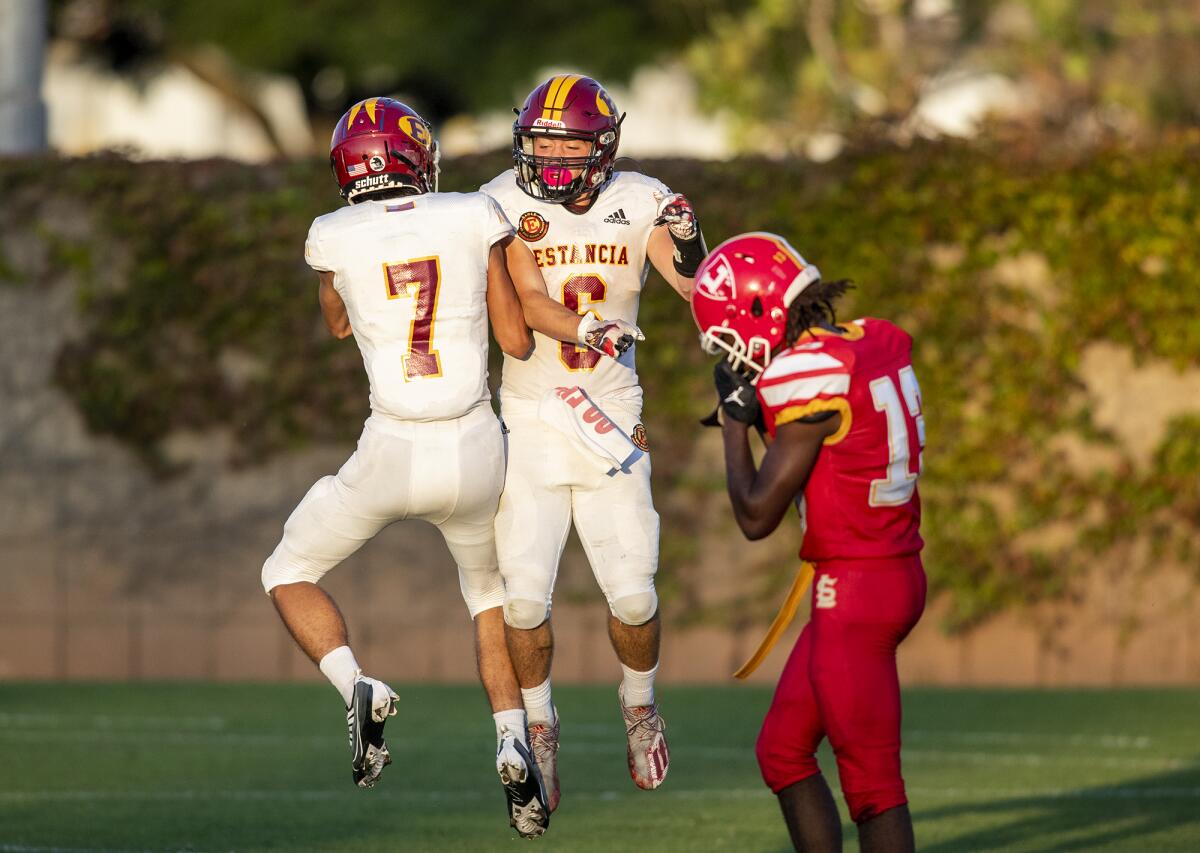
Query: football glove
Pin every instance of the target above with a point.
(610, 337)
(677, 213)
(736, 393)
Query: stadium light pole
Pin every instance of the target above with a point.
(22, 53)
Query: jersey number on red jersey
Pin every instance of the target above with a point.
(898, 486)
(419, 278)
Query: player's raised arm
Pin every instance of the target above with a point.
(504, 308)
(676, 246)
(554, 319)
(333, 309)
(761, 497)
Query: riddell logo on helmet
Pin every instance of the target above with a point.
(549, 122)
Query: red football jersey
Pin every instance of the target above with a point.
(861, 499)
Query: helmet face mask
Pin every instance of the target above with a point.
(382, 146)
(747, 357)
(565, 107)
(542, 176)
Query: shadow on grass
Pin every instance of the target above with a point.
(1081, 818)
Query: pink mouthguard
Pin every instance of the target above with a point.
(556, 176)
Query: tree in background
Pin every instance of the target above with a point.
(474, 57)
(792, 71)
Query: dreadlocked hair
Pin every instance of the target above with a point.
(814, 307)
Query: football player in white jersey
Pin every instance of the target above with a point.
(415, 275)
(594, 234)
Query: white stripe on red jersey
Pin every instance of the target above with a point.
(800, 390)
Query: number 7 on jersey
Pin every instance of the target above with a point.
(420, 279)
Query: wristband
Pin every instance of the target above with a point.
(689, 254)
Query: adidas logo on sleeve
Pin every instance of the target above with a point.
(617, 217)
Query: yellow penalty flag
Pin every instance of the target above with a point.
(783, 618)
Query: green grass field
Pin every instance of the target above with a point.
(198, 767)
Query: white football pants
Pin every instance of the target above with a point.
(552, 480)
(448, 473)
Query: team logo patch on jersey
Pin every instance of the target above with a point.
(617, 217)
(532, 226)
(639, 438)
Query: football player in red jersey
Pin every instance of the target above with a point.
(841, 409)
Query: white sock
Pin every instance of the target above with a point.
(341, 669)
(637, 688)
(510, 723)
(538, 704)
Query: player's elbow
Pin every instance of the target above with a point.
(516, 342)
(755, 530)
(755, 526)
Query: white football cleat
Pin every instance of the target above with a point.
(372, 704)
(523, 788)
(646, 749)
(543, 743)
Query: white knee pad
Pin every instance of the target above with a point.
(482, 589)
(283, 567)
(525, 614)
(636, 609)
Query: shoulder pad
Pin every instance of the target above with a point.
(803, 373)
(500, 184)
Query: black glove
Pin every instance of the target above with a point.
(736, 393)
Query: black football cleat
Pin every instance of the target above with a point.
(368, 751)
(523, 788)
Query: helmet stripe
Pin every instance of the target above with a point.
(353, 112)
(370, 106)
(561, 98)
(551, 96)
(551, 93)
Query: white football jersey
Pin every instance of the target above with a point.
(591, 261)
(413, 274)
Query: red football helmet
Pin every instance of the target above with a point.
(567, 106)
(381, 143)
(743, 290)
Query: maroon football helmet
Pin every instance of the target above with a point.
(743, 290)
(382, 144)
(567, 106)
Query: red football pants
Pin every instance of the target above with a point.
(840, 682)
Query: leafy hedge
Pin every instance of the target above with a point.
(198, 313)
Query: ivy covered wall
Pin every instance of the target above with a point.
(1018, 275)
